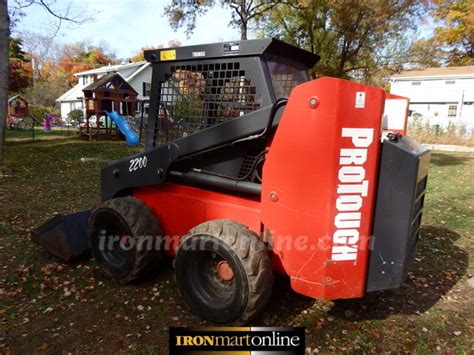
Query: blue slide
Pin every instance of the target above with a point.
(122, 123)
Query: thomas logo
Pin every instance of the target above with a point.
(236, 340)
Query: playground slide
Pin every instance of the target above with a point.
(124, 126)
(37, 122)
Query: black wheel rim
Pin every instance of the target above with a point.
(205, 280)
(116, 254)
(208, 295)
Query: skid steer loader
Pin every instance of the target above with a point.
(250, 168)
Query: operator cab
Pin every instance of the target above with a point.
(196, 87)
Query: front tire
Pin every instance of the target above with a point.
(224, 272)
(125, 238)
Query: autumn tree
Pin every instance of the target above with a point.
(44, 52)
(20, 70)
(55, 69)
(353, 37)
(82, 56)
(424, 53)
(49, 80)
(244, 12)
(45, 92)
(16, 7)
(455, 35)
(452, 42)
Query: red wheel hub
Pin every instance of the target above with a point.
(124, 240)
(224, 270)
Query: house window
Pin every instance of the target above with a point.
(450, 82)
(146, 89)
(416, 82)
(452, 111)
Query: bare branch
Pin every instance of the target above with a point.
(58, 16)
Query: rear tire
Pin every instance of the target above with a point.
(125, 238)
(224, 272)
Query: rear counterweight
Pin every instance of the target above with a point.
(400, 198)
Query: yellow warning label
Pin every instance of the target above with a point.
(168, 55)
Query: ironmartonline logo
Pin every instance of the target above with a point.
(241, 339)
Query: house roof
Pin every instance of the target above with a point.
(146, 65)
(110, 68)
(16, 97)
(116, 81)
(436, 72)
(73, 94)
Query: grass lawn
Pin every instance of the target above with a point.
(46, 305)
(17, 136)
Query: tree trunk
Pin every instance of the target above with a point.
(4, 65)
(244, 20)
(243, 31)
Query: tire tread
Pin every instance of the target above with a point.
(142, 222)
(253, 256)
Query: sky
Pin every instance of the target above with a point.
(128, 25)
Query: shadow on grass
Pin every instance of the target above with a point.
(438, 266)
(442, 159)
(284, 304)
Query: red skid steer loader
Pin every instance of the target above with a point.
(252, 168)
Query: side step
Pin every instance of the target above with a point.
(64, 236)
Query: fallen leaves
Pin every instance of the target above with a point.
(42, 347)
(44, 295)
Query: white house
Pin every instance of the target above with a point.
(138, 75)
(439, 95)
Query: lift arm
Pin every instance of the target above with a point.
(151, 166)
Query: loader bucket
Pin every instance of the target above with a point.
(64, 236)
